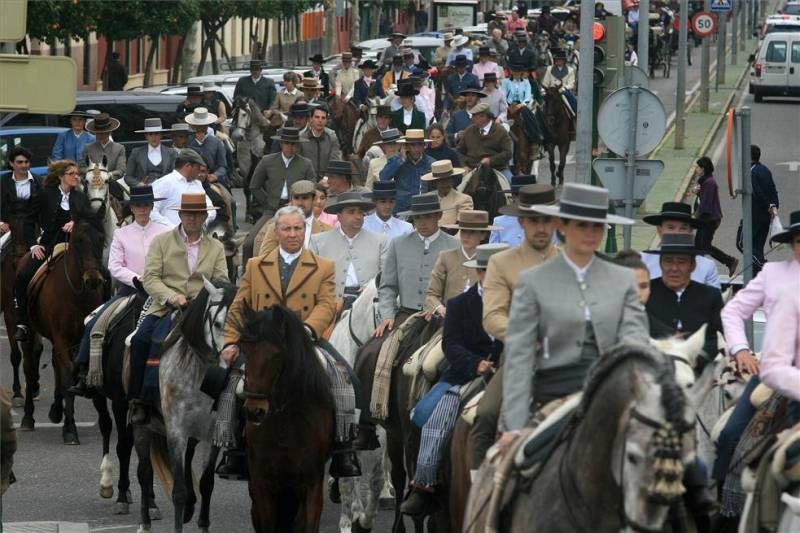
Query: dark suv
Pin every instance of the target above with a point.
(130, 107)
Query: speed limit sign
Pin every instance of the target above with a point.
(704, 23)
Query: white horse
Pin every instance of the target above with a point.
(356, 325)
(363, 126)
(96, 186)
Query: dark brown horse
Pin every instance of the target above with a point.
(290, 421)
(74, 286)
(526, 149)
(345, 115)
(558, 122)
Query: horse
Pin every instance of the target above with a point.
(541, 47)
(527, 147)
(191, 346)
(249, 127)
(13, 249)
(558, 122)
(290, 417)
(485, 185)
(223, 229)
(616, 464)
(97, 185)
(345, 115)
(75, 285)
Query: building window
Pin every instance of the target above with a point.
(86, 61)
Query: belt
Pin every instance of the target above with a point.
(352, 291)
(349, 297)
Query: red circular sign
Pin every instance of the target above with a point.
(598, 31)
(704, 23)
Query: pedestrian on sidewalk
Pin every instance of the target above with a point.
(765, 206)
(709, 212)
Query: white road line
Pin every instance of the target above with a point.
(111, 528)
(48, 425)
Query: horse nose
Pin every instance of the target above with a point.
(237, 135)
(93, 279)
(256, 416)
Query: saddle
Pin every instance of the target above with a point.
(35, 284)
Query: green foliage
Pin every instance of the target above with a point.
(57, 19)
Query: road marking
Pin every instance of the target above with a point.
(794, 166)
(48, 425)
(111, 528)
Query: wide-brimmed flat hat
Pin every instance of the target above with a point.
(423, 204)
(396, 35)
(471, 90)
(383, 111)
(442, 169)
(210, 86)
(389, 136)
(288, 135)
(789, 231)
(490, 77)
(256, 64)
(472, 220)
(414, 136)
(520, 180)
(483, 252)
(193, 202)
(80, 114)
(317, 58)
(407, 89)
(460, 40)
(382, 190)
(583, 202)
(152, 125)
(299, 109)
(483, 51)
(448, 36)
(201, 117)
(142, 194)
(194, 90)
(102, 123)
(310, 83)
(349, 199)
(339, 168)
(676, 243)
(368, 64)
(180, 128)
(529, 196)
(460, 60)
(673, 211)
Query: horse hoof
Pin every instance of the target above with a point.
(188, 512)
(143, 529)
(107, 492)
(155, 513)
(27, 424)
(122, 508)
(356, 528)
(18, 401)
(71, 439)
(56, 413)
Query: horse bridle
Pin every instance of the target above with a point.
(210, 319)
(353, 336)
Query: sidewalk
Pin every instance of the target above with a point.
(699, 133)
(45, 527)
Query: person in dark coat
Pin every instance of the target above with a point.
(678, 305)
(319, 73)
(470, 353)
(521, 54)
(462, 119)
(117, 74)
(765, 206)
(20, 198)
(260, 89)
(62, 205)
(460, 80)
(709, 213)
(408, 116)
(367, 83)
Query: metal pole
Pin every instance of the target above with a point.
(643, 43)
(747, 206)
(742, 26)
(721, 45)
(630, 162)
(680, 91)
(734, 32)
(583, 125)
(705, 66)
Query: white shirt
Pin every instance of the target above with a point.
(284, 190)
(24, 187)
(470, 258)
(154, 154)
(394, 227)
(485, 129)
(352, 277)
(287, 257)
(170, 188)
(307, 236)
(580, 274)
(256, 80)
(428, 240)
(65, 200)
(407, 116)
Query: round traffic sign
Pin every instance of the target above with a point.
(614, 121)
(704, 23)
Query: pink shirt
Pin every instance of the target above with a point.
(481, 69)
(129, 250)
(514, 25)
(764, 290)
(329, 219)
(780, 356)
(192, 250)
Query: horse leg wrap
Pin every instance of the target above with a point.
(225, 427)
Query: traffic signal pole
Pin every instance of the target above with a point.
(643, 42)
(705, 66)
(583, 125)
(680, 92)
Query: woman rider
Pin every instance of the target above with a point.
(126, 265)
(450, 277)
(62, 205)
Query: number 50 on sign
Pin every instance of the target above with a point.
(704, 23)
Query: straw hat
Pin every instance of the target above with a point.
(441, 170)
(201, 117)
(528, 197)
(414, 136)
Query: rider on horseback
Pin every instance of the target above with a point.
(126, 261)
(562, 77)
(62, 206)
(177, 263)
(21, 195)
(471, 353)
(441, 178)
(103, 149)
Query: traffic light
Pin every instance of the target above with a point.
(609, 51)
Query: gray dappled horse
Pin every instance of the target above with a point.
(96, 185)
(191, 347)
(248, 130)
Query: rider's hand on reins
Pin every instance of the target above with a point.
(746, 362)
(229, 354)
(37, 251)
(4, 227)
(506, 439)
(178, 301)
(67, 228)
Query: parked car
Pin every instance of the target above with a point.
(130, 107)
(39, 140)
(424, 46)
(775, 69)
(783, 23)
(791, 8)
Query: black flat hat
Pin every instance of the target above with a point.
(673, 211)
(382, 190)
(676, 243)
(530, 195)
(339, 168)
(143, 194)
(349, 199)
(789, 231)
(423, 204)
(517, 182)
(407, 90)
(288, 135)
(461, 61)
(299, 109)
(317, 58)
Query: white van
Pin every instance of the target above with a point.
(775, 70)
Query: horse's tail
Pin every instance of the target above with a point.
(159, 459)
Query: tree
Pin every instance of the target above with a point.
(52, 20)
(166, 17)
(214, 14)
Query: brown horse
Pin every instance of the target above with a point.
(290, 421)
(558, 122)
(73, 287)
(525, 148)
(345, 115)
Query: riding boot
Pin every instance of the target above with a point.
(344, 462)
(419, 503)
(234, 465)
(139, 411)
(699, 498)
(80, 388)
(366, 439)
(21, 333)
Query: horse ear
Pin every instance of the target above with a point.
(210, 288)
(701, 387)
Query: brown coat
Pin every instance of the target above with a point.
(501, 278)
(265, 240)
(311, 292)
(452, 205)
(449, 278)
(473, 146)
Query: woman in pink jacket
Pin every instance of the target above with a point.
(776, 288)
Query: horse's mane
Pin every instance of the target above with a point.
(672, 398)
(87, 238)
(191, 324)
(301, 375)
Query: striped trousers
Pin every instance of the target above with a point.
(435, 433)
(344, 397)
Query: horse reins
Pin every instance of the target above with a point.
(353, 335)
